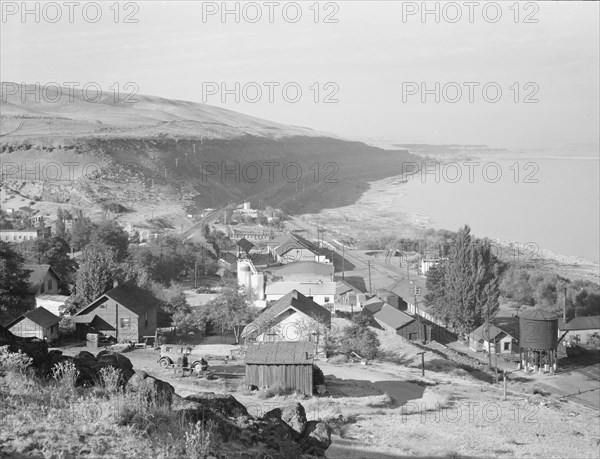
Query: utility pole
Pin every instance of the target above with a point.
(343, 259)
(487, 321)
(369, 265)
(196, 274)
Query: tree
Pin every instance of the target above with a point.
(468, 292)
(113, 236)
(232, 309)
(53, 251)
(13, 284)
(97, 272)
(359, 338)
(81, 232)
(515, 285)
(60, 229)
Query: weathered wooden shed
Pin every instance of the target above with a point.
(282, 364)
(37, 323)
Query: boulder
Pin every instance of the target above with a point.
(114, 359)
(293, 415)
(223, 404)
(155, 388)
(316, 437)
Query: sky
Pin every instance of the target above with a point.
(361, 77)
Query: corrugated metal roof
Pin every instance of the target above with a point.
(41, 316)
(281, 353)
(392, 317)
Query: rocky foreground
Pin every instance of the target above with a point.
(278, 434)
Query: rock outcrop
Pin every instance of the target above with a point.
(282, 434)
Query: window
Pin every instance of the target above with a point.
(326, 299)
(49, 284)
(125, 322)
(167, 349)
(42, 287)
(506, 346)
(146, 320)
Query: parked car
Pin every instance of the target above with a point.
(173, 354)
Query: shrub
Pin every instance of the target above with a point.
(14, 362)
(111, 379)
(65, 373)
(201, 440)
(338, 358)
(318, 376)
(359, 338)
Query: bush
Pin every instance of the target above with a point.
(318, 376)
(359, 338)
(201, 440)
(14, 362)
(111, 379)
(65, 373)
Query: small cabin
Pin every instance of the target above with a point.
(37, 323)
(281, 364)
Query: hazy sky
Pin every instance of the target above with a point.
(369, 56)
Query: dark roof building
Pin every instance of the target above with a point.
(582, 323)
(42, 279)
(392, 318)
(40, 316)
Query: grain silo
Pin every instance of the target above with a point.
(538, 340)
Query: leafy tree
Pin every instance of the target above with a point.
(468, 291)
(98, 270)
(60, 229)
(81, 233)
(113, 236)
(232, 309)
(13, 284)
(53, 251)
(359, 338)
(515, 285)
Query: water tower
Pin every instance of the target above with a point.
(538, 340)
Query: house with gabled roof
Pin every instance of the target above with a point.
(347, 294)
(392, 320)
(583, 330)
(126, 313)
(498, 339)
(43, 279)
(293, 247)
(294, 317)
(37, 323)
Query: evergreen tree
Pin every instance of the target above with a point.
(13, 284)
(98, 269)
(468, 292)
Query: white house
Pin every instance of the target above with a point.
(498, 340)
(322, 293)
(293, 247)
(294, 317)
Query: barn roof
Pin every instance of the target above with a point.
(281, 353)
(40, 316)
(583, 323)
(129, 296)
(392, 317)
(295, 300)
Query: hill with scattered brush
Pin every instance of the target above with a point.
(192, 155)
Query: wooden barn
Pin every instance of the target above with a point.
(127, 313)
(37, 323)
(282, 364)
